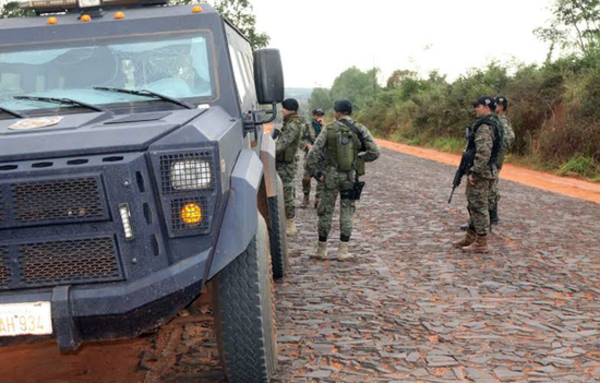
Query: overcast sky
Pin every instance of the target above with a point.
(319, 39)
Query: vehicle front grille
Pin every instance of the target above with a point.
(5, 272)
(76, 199)
(75, 261)
(2, 210)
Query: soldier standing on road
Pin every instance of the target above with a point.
(486, 136)
(288, 143)
(311, 132)
(337, 159)
(507, 141)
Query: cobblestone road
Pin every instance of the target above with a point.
(414, 309)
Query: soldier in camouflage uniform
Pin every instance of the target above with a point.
(311, 132)
(507, 141)
(337, 159)
(486, 136)
(288, 143)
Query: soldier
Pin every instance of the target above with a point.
(288, 143)
(311, 132)
(486, 137)
(337, 159)
(507, 141)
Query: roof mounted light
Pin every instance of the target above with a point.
(51, 6)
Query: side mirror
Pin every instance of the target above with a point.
(268, 76)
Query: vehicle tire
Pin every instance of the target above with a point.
(277, 236)
(245, 313)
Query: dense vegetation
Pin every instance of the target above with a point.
(555, 107)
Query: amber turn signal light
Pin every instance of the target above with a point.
(191, 213)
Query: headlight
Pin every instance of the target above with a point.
(89, 3)
(191, 175)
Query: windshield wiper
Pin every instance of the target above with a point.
(144, 93)
(61, 101)
(11, 112)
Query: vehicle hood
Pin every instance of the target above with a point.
(89, 133)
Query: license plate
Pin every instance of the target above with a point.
(25, 319)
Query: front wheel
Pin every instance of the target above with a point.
(245, 313)
(277, 235)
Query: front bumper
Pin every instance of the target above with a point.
(119, 310)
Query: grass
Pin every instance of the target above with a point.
(582, 166)
(579, 166)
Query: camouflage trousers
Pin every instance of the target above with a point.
(306, 185)
(334, 182)
(494, 192)
(478, 197)
(287, 173)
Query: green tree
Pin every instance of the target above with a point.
(356, 85)
(11, 9)
(575, 26)
(320, 98)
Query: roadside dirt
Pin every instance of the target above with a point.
(567, 186)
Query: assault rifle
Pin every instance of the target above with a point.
(466, 162)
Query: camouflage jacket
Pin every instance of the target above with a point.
(289, 140)
(509, 133)
(310, 134)
(317, 157)
(484, 143)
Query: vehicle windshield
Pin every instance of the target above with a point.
(178, 67)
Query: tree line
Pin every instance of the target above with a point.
(554, 107)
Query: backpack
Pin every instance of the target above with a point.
(343, 146)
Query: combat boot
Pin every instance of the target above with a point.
(290, 228)
(343, 254)
(494, 219)
(465, 227)
(479, 246)
(305, 201)
(469, 238)
(320, 251)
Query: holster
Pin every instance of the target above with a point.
(354, 193)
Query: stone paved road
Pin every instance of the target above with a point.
(413, 309)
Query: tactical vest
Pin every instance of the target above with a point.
(494, 122)
(343, 146)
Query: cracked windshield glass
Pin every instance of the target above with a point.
(175, 67)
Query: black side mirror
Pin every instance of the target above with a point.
(268, 76)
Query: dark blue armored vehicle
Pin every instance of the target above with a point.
(134, 171)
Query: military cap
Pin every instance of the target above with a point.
(290, 104)
(318, 112)
(485, 101)
(501, 100)
(343, 106)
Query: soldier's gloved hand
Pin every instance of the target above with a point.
(319, 176)
(276, 133)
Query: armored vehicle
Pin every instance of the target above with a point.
(134, 171)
